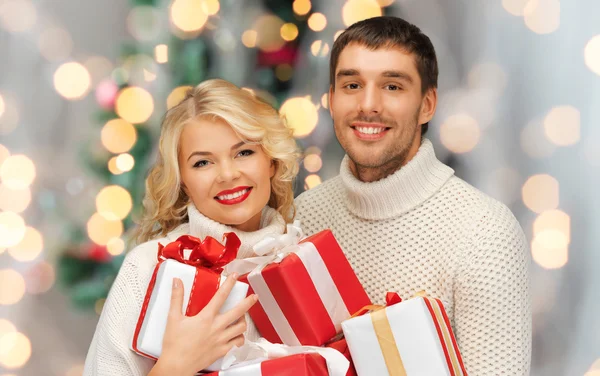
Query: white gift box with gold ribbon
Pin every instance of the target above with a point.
(411, 338)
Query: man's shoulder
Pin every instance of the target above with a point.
(484, 211)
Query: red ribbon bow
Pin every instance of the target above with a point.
(208, 253)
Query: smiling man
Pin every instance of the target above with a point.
(405, 222)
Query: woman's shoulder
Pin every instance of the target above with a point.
(144, 255)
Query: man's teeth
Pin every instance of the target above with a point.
(370, 130)
(233, 195)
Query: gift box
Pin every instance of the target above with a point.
(308, 364)
(199, 265)
(411, 338)
(305, 291)
(342, 346)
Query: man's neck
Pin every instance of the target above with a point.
(372, 174)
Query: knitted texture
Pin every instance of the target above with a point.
(422, 228)
(109, 352)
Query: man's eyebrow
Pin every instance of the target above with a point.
(397, 74)
(239, 144)
(347, 72)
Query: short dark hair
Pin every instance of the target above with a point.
(387, 31)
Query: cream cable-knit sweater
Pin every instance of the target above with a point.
(422, 228)
(109, 352)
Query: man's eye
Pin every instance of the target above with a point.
(393, 87)
(351, 86)
(200, 163)
(245, 153)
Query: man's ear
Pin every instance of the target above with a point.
(330, 100)
(428, 106)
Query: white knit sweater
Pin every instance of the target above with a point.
(109, 352)
(422, 228)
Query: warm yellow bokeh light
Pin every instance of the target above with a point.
(460, 133)
(30, 247)
(14, 200)
(592, 54)
(55, 44)
(177, 95)
(301, 115)
(9, 113)
(72, 80)
(553, 220)
(542, 16)
(249, 38)
(337, 34)
(188, 15)
(118, 136)
(115, 246)
(385, 3)
(289, 31)
(325, 100)
(113, 168)
(125, 162)
(12, 229)
(17, 16)
(15, 350)
(284, 72)
(12, 287)
(541, 193)
(313, 163)
(515, 7)
(268, 28)
(101, 230)
(161, 53)
(211, 7)
(317, 21)
(113, 203)
(318, 47)
(562, 125)
(17, 172)
(311, 181)
(134, 105)
(40, 278)
(358, 10)
(301, 7)
(549, 249)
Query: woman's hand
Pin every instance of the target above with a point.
(191, 344)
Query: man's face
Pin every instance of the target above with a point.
(377, 106)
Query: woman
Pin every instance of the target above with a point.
(226, 164)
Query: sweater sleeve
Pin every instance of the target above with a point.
(109, 352)
(492, 299)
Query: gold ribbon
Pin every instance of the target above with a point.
(385, 337)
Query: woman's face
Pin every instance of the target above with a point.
(227, 179)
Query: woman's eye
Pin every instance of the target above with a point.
(200, 163)
(245, 153)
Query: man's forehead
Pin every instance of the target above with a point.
(365, 60)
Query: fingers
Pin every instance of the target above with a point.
(235, 330)
(239, 310)
(176, 307)
(236, 341)
(221, 295)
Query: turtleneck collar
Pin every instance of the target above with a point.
(399, 192)
(271, 223)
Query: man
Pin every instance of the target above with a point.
(405, 222)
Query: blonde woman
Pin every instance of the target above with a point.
(226, 164)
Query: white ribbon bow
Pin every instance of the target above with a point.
(272, 249)
(250, 352)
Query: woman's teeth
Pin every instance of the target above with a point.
(233, 195)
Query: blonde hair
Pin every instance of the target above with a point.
(165, 202)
